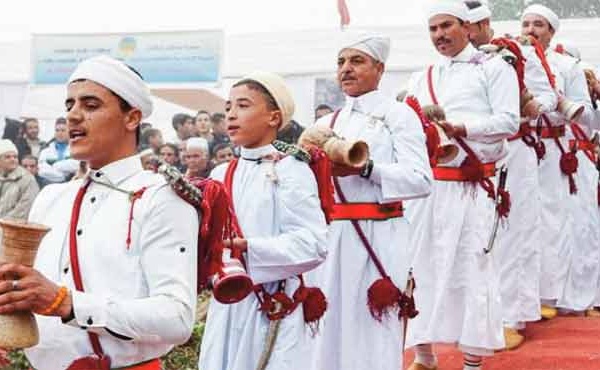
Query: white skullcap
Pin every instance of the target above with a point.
(375, 45)
(7, 146)
(480, 13)
(455, 8)
(197, 143)
(146, 152)
(545, 12)
(276, 86)
(117, 77)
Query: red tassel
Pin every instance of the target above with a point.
(216, 225)
(134, 197)
(504, 205)
(314, 303)
(92, 362)
(568, 163)
(321, 168)
(382, 297)
(540, 150)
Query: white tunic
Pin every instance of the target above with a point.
(457, 291)
(350, 338)
(146, 292)
(286, 232)
(518, 249)
(557, 223)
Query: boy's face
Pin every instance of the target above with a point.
(250, 123)
(224, 155)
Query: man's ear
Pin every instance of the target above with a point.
(276, 119)
(133, 118)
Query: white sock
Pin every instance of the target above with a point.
(424, 355)
(472, 362)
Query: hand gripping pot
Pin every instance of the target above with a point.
(20, 242)
(352, 154)
(447, 150)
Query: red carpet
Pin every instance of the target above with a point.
(565, 343)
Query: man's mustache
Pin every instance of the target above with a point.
(442, 40)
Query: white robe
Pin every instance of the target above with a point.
(349, 337)
(458, 293)
(286, 232)
(581, 284)
(518, 249)
(557, 222)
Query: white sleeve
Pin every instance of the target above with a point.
(301, 244)
(409, 176)
(169, 262)
(503, 97)
(577, 91)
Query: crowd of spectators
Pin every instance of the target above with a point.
(27, 163)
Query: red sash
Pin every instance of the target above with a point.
(366, 211)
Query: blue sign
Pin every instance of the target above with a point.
(160, 57)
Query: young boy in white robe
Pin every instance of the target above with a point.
(275, 198)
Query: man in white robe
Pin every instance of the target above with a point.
(560, 232)
(518, 250)
(136, 254)
(350, 338)
(458, 293)
(277, 206)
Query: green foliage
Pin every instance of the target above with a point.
(511, 9)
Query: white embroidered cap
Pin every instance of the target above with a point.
(117, 77)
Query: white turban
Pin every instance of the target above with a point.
(375, 45)
(545, 12)
(117, 77)
(7, 146)
(197, 143)
(480, 13)
(276, 86)
(455, 8)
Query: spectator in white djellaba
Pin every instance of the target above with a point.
(18, 187)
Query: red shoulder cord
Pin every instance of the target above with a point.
(101, 361)
(539, 51)
(314, 303)
(431, 133)
(519, 64)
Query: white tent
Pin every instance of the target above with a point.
(300, 56)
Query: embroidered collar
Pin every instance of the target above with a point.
(257, 154)
(468, 55)
(116, 172)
